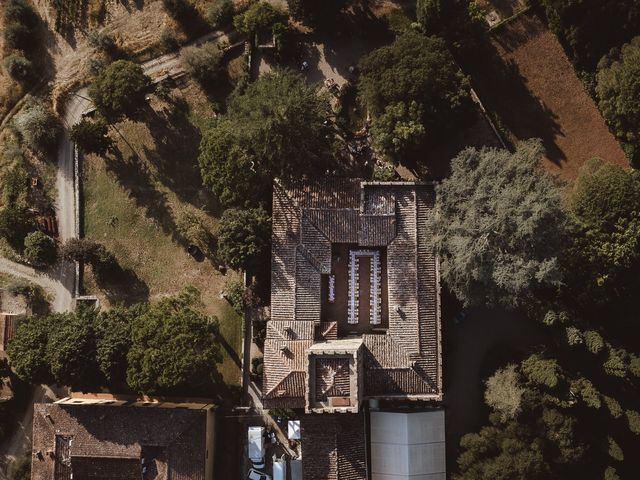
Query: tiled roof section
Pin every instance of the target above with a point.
(106, 468)
(382, 351)
(402, 273)
(294, 330)
(307, 290)
(327, 193)
(340, 226)
(285, 223)
(316, 246)
(332, 378)
(281, 359)
(376, 230)
(84, 431)
(333, 447)
(387, 382)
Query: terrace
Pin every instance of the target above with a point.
(359, 301)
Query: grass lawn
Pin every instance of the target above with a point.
(135, 202)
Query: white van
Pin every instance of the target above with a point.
(255, 446)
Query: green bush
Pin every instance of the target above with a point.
(234, 293)
(260, 17)
(633, 418)
(593, 341)
(39, 126)
(243, 236)
(176, 8)
(102, 41)
(15, 223)
(611, 474)
(203, 63)
(615, 410)
(615, 451)
(168, 40)
(91, 137)
(14, 184)
(219, 13)
(18, 36)
(39, 249)
(541, 371)
(19, 68)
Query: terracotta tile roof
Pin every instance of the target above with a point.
(333, 447)
(307, 219)
(109, 442)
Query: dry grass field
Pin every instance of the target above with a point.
(524, 77)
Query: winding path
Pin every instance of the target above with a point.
(61, 281)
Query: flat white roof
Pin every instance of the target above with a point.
(408, 446)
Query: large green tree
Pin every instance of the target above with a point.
(39, 249)
(243, 236)
(275, 128)
(604, 253)
(119, 90)
(71, 349)
(173, 345)
(15, 223)
(316, 13)
(419, 73)
(618, 90)
(499, 226)
(590, 28)
(28, 349)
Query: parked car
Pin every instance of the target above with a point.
(256, 475)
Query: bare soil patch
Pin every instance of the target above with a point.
(524, 77)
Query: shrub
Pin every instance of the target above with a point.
(192, 227)
(615, 410)
(615, 451)
(611, 474)
(168, 40)
(616, 362)
(633, 417)
(39, 249)
(429, 14)
(593, 341)
(574, 336)
(234, 293)
(19, 11)
(102, 41)
(15, 224)
(503, 393)
(19, 68)
(259, 17)
(219, 13)
(541, 371)
(15, 184)
(383, 172)
(176, 8)
(587, 392)
(39, 126)
(18, 36)
(203, 63)
(91, 137)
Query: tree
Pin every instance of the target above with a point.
(203, 63)
(633, 418)
(119, 90)
(91, 137)
(19, 68)
(19, 11)
(615, 451)
(219, 13)
(618, 87)
(541, 371)
(610, 473)
(593, 341)
(590, 28)
(15, 224)
(71, 349)
(39, 249)
(398, 130)
(113, 340)
(39, 126)
(275, 128)
(27, 350)
(503, 393)
(18, 36)
(502, 453)
(176, 8)
(173, 345)
(316, 13)
(258, 18)
(416, 69)
(243, 236)
(429, 14)
(80, 250)
(499, 226)
(583, 388)
(604, 255)
(234, 292)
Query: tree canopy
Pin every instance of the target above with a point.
(316, 13)
(618, 90)
(604, 252)
(590, 28)
(499, 226)
(414, 75)
(243, 236)
(172, 344)
(91, 136)
(39, 249)
(119, 90)
(261, 16)
(275, 128)
(39, 127)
